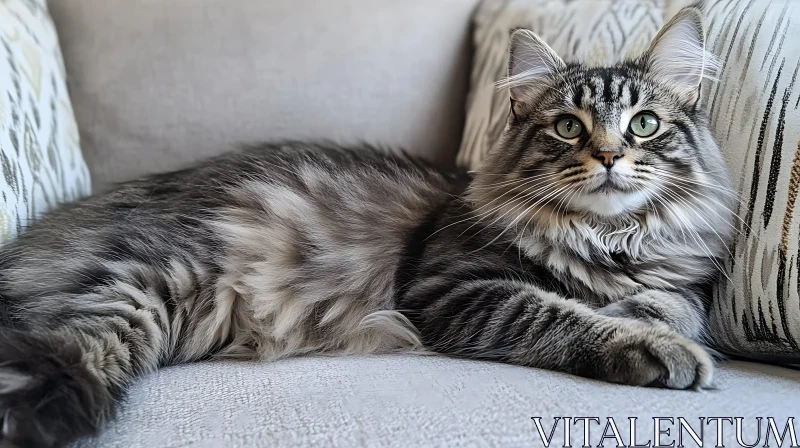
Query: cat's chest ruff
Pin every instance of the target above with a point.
(609, 244)
(593, 260)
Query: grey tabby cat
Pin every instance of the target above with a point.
(578, 246)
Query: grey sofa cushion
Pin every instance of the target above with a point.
(407, 400)
(157, 85)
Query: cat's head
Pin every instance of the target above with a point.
(604, 141)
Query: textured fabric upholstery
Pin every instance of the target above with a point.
(157, 85)
(406, 400)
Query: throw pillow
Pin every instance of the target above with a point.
(755, 112)
(40, 156)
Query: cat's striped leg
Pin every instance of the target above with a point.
(69, 358)
(681, 311)
(519, 323)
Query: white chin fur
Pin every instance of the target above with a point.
(610, 203)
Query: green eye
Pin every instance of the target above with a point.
(644, 124)
(569, 127)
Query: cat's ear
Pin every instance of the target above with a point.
(677, 56)
(531, 63)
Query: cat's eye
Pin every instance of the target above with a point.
(644, 124)
(569, 127)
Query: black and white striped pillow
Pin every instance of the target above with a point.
(755, 113)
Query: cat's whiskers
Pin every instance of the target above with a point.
(520, 215)
(565, 200)
(513, 181)
(694, 193)
(671, 175)
(530, 219)
(486, 173)
(568, 177)
(696, 236)
(481, 215)
(684, 226)
(688, 188)
(521, 234)
(701, 216)
(528, 191)
(649, 200)
(471, 213)
(540, 201)
(529, 194)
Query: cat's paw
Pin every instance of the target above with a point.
(652, 356)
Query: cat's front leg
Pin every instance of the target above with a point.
(519, 323)
(678, 310)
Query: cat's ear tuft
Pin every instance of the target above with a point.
(531, 63)
(677, 56)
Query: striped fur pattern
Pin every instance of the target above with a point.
(594, 32)
(544, 258)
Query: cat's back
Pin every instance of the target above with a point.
(324, 213)
(283, 240)
(297, 204)
(273, 178)
(356, 175)
(362, 194)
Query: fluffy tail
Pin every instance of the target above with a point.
(53, 389)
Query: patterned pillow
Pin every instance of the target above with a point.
(755, 113)
(40, 155)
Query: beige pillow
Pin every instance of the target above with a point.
(158, 85)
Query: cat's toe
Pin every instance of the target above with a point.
(655, 357)
(688, 365)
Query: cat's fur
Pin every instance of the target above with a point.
(297, 248)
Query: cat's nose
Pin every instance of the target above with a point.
(607, 158)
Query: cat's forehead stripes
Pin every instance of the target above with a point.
(607, 97)
(625, 93)
(603, 90)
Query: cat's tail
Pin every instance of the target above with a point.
(50, 390)
(62, 373)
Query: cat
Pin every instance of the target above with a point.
(580, 245)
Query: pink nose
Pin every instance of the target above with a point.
(607, 158)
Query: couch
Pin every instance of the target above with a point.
(156, 85)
